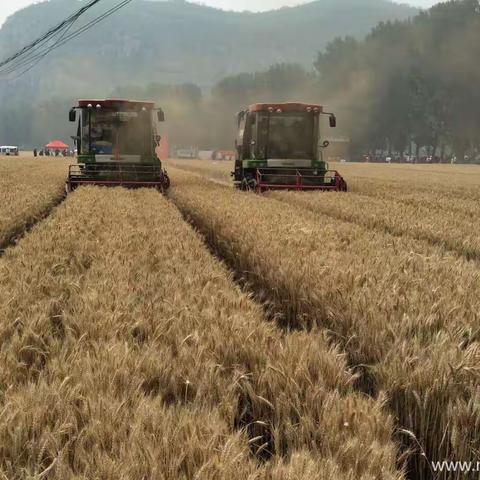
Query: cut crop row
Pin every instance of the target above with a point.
(405, 314)
(214, 170)
(128, 353)
(28, 190)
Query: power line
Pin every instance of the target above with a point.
(23, 59)
(30, 61)
(28, 57)
(47, 35)
(33, 60)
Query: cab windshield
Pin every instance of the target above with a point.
(108, 132)
(286, 135)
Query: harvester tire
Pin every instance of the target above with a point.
(166, 182)
(249, 185)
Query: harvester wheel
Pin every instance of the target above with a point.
(249, 185)
(166, 182)
(341, 183)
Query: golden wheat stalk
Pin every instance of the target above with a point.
(402, 311)
(128, 352)
(28, 189)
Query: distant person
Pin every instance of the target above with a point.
(35, 152)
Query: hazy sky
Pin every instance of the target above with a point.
(7, 7)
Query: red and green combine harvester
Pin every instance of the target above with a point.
(279, 146)
(116, 145)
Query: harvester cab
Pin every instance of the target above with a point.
(116, 143)
(279, 146)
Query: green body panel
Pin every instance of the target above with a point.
(87, 159)
(91, 160)
(249, 163)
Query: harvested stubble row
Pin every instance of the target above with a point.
(129, 353)
(403, 312)
(215, 170)
(28, 190)
(451, 229)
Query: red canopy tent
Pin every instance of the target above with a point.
(56, 145)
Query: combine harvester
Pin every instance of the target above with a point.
(279, 147)
(116, 143)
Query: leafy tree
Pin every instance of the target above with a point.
(411, 81)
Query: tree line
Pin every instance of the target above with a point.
(408, 90)
(411, 86)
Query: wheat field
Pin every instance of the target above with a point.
(29, 188)
(129, 352)
(216, 334)
(389, 275)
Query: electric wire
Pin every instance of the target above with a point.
(29, 61)
(32, 59)
(30, 56)
(47, 35)
(40, 58)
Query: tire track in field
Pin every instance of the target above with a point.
(13, 236)
(245, 280)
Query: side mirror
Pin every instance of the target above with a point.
(72, 115)
(240, 117)
(333, 121)
(160, 115)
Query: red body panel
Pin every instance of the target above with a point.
(163, 151)
(116, 103)
(296, 181)
(285, 107)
